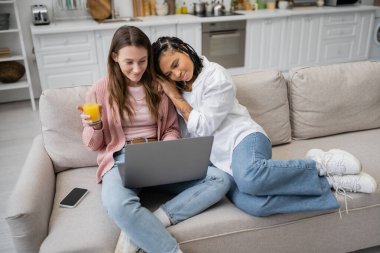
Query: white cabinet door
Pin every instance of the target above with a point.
(346, 37)
(192, 35)
(103, 42)
(363, 36)
(69, 76)
(162, 30)
(265, 43)
(66, 59)
(303, 39)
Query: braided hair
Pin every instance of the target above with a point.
(174, 44)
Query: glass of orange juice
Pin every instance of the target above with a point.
(92, 109)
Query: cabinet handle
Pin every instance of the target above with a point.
(268, 21)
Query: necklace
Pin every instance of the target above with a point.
(138, 99)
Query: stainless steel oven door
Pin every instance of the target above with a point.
(226, 48)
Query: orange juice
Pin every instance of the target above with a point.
(92, 109)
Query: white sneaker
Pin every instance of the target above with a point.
(362, 182)
(124, 245)
(334, 162)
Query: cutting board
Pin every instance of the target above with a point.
(99, 9)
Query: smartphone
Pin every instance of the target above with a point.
(73, 198)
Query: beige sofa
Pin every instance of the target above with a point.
(326, 107)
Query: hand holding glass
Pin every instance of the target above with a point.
(93, 110)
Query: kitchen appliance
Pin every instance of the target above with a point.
(40, 14)
(200, 8)
(339, 2)
(303, 3)
(224, 42)
(212, 14)
(218, 9)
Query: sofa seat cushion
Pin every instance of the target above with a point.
(333, 99)
(222, 227)
(264, 93)
(85, 228)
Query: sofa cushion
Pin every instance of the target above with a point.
(62, 128)
(264, 93)
(326, 100)
(85, 228)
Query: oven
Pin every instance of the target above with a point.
(224, 42)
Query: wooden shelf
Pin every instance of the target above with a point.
(11, 58)
(16, 85)
(12, 38)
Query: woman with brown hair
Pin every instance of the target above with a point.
(132, 111)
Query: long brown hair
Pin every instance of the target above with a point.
(117, 84)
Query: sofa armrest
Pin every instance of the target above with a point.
(30, 204)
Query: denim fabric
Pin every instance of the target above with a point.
(195, 196)
(261, 186)
(141, 226)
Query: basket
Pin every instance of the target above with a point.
(11, 71)
(4, 21)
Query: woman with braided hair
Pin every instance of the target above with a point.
(204, 95)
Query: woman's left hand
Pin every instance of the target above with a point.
(169, 87)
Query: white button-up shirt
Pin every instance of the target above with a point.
(217, 112)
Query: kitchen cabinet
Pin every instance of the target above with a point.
(265, 45)
(191, 34)
(76, 55)
(154, 32)
(303, 40)
(315, 39)
(68, 59)
(12, 38)
(80, 58)
(345, 37)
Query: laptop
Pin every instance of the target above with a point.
(165, 162)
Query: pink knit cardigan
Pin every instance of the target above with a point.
(111, 138)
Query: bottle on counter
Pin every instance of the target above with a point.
(171, 7)
(261, 4)
(184, 8)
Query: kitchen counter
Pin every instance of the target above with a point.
(70, 53)
(91, 25)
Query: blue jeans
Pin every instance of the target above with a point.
(141, 226)
(261, 186)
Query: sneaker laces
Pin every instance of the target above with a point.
(340, 190)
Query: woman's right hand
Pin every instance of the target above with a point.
(86, 121)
